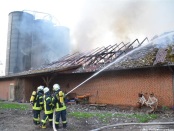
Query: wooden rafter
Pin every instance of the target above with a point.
(47, 80)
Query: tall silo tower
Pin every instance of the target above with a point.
(34, 41)
(19, 42)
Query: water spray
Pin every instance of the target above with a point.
(119, 57)
(161, 40)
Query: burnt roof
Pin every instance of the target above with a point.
(118, 56)
(86, 61)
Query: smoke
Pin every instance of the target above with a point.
(35, 41)
(102, 23)
(107, 22)
(49, 42)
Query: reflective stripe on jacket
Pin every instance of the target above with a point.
(48, 104)
(38, 102)
(58, 101)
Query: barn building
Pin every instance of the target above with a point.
(111, 75)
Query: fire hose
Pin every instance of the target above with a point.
(122, 124)
(54, 128)
(128, 124)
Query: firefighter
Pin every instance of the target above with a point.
(37, 102)
(48, 112)
(59, 106)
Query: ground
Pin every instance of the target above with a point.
(21, 120)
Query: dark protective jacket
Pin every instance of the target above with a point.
(38, 102)
(48, 103)
(58, 101)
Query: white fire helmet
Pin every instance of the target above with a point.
(46, 89)
(56, 87)
(40, 88)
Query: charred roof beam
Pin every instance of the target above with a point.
(88, 58)
(82, 59)
(114, 56)
(143, 41)
(97, 55)
(112, 48)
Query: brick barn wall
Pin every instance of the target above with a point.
(30, 84)
(122, 87)
(113, 87)
(4, 88)
(23, 87)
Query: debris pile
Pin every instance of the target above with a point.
(160, 56)
(141, 57)
(159, 51)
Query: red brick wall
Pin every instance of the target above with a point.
(122, 87)
(4, 89)
(114, 87)
(23, 87)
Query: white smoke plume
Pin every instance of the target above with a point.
(105, 22)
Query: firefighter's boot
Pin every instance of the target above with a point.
(51, 123)
(43, 126)
(57, 126)
(36, 122)
(64, 125)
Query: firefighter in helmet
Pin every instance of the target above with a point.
(37, 102)
(48, 112)
(59, 106)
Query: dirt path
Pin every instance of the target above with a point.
(21, 120)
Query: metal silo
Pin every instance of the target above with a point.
(19, 42)
(50, 42)
(42, 36)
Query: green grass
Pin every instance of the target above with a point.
(6, 105)
(164, 108)
(105, 117)
(81, 114)
(144, 117)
